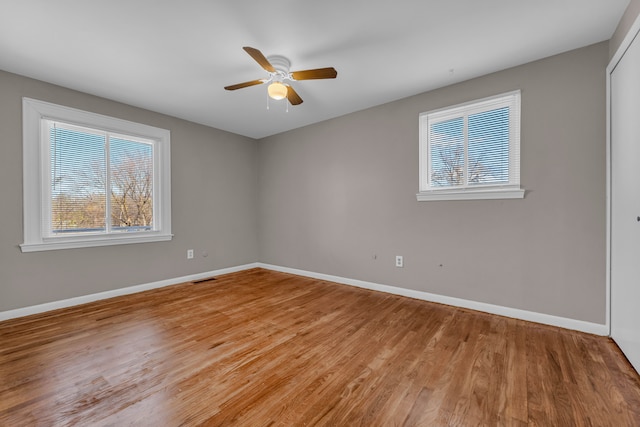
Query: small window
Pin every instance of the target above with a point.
(471, 151)
(92, 180)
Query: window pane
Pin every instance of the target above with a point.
(447, 153)
(489, 147)
(77, 181)
(131, 166)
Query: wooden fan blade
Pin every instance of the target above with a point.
(245, 84)
(293, 96)
(318, 73)
(260, 58)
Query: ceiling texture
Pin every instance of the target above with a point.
(175, 57)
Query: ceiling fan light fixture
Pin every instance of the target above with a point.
(278, 68)
(277, 91)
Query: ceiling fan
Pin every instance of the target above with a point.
(278, 69)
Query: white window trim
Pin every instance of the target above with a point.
(35, 161)
(476, 192)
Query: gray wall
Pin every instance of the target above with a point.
(628, 18)
(338, 197)
(213, 207)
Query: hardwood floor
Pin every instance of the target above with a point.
(261, 348)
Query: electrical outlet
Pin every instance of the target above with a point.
(399, 261)
(189, 253)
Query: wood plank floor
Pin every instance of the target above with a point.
(261, 348)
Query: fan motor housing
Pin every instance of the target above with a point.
(281, 64)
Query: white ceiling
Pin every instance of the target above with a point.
(175, 57)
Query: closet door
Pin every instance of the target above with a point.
(625, 203)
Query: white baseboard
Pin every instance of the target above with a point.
(41, 308)
(547, 319)
(531, 316)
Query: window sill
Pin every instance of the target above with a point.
(88, 242)
(471, 194)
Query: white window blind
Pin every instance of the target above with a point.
(471, 150)
(100, 182)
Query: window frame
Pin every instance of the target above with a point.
(510, 190)
(36, 177)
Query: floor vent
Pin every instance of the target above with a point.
(208, 279)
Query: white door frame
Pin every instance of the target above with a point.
(626, 43)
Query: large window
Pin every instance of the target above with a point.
(471, 151)
(92, 180)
